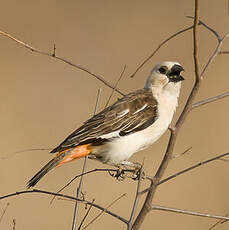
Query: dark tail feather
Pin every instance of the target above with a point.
(50, 165)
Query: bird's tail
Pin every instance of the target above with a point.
(61, 158)
(50, 165)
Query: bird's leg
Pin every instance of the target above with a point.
(119, 174)
(136, 168)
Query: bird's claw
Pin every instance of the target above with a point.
(135, 169)
(119, 174)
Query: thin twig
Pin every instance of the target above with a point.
(14, 224)
(146, 208)
(218, 222)
(218, 47)
(224, 52)
(4, 211)
(193, 167)
(188, 212)
(187, 170)
(225, 160)
(78, 192)
(111, 204)
(116, 84)
(181, 154)
(23, 151)
(169, 38)
(54, 50)
(66, 196)
(79, 189)
(195, 42)
(215, 53)
(207, 27)
(53, 55)
(209, 100)
(159, 46)
(82, 174)
(85, 216)
(64, 199)
(137, 197)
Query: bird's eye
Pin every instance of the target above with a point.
(162, 70)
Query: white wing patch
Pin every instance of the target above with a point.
(123, 113)
(137, 111)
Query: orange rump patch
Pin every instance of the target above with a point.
(75, 153)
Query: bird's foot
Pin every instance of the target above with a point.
(119, 174)
(138, 174)
(127, 169)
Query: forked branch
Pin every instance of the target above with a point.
(68, 197)
(53, 55)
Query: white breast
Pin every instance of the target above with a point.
(122, 148)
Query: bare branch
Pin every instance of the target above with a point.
(159, 46)
(53, 55)
(66, 196)
(218, 47)
(187, 212)
(195, 42)
(85, 216)
(82, 174)
(146, 208)
(14, 224)
(137, 196)
(193, 167)
(79, 189)
(22, 151)
(102, 212)
(209, 100)
(116, 84)
(207, 27)
(218, 222)
(188, 169)
(224, 52)
(4, 211)
(215, 53)
(171, 37)
(225, 160)
(181, 154)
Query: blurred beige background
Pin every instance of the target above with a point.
(44, 100)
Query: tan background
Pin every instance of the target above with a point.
(43, 100)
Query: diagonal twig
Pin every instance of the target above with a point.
(85, 216)
(209, 100)
(215, 53)
(111, 204)
(173, 132)
(218, 222)
(137, 196)
(188, 212)
(224, 52)
(159, 46)
(66, 196)
(4, 211)
(82, 174)
(14, 224)
(116, 84)
(79, 189)
(207, 27)
(171, 37)
(12, 154)
(188, 169)
(53, 55)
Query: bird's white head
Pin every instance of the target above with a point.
(165, 76)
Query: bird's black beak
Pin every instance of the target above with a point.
(174, 74)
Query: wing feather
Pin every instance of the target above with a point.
(134, 112)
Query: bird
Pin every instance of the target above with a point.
(131, 124)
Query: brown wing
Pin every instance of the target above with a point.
(134, 112)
